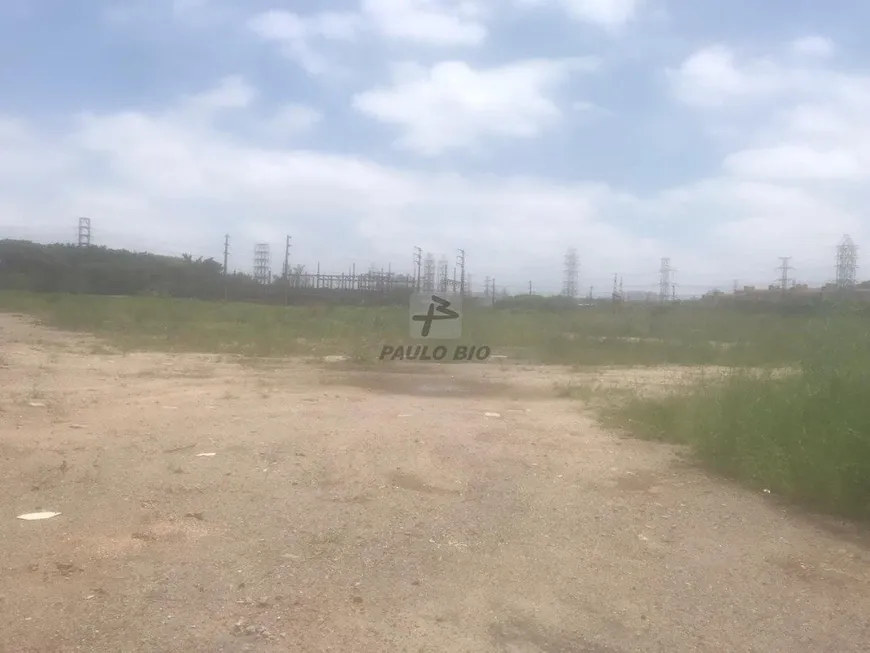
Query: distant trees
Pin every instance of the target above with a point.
(63, 268)
(98, 270)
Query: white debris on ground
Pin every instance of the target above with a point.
(34, 516)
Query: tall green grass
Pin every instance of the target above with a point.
(639, 335)
(804, 435)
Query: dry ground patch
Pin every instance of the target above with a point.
(455, 508)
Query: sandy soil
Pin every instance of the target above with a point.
(380, 511)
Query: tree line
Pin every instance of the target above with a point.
(95, 270)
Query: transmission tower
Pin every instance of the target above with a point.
(262, 263)
(847, 263)
(226, 252)
(665, 282)
(443, 275)
(460, 260)
(784, 270)
(418, 264)
(429, 272)
(572, 274)
(286, 267)
(84, 232)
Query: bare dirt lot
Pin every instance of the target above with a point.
(380, 510)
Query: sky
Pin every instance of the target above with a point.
(721, 134)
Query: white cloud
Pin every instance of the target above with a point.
(293, 119)
(798, 151)
(798, 162)
(608, 14)
(813, 46)
(425, 22)
(453, 106)
(438, 22)
(298, 35)
(713, 77)
(718, 76)
(808, 122)
(232, 92)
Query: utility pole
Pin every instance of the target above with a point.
(530, 288)
(418, 264)
(226, 262)
(287, 272)
(461, 260)
(784, 269)
(615, 296)
(673, 292)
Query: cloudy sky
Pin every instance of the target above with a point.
(720, 133)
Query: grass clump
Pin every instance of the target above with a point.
(804, 435)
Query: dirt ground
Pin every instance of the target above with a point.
(381, 510)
